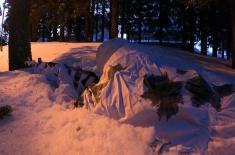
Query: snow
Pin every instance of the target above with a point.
(48, 51)
(41, 124)
(38, 126)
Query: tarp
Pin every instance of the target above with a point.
(118, 95)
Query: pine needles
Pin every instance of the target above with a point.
(164, 94)
(4, 111)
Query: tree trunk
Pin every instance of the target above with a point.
(140, 18)
(222, 51)
(192, 42)
(232, 10)
(77, 30)
(161, 24)
(114, 19)
(103, 19)
(87, 23)
(97, 21)
(215, 47)
(203, 32)
(54, 32)
(233, 45)
(128, 19)
(19, 34)
(228, 45)
(92, 19)
(69, 30)
(49, 30)
(192, 28)
(34, 31)
(123, 18)
(228, 49)
(184, 29)
(161, 34)
(62, 31)
(34, 28)
(88, 29)
(203, 43)
(43, 31)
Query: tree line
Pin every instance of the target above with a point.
(182, 23)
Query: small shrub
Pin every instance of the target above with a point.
(5, 110)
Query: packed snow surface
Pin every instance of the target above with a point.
(121, 122)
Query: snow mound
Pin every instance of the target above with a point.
(118, 93)
(13, 90)
(118, 96)
(106, 50)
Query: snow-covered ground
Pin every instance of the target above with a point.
(37, 125)
(46, 51)
(40, 125)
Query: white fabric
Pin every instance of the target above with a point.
(106, 50)
(121, 99)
